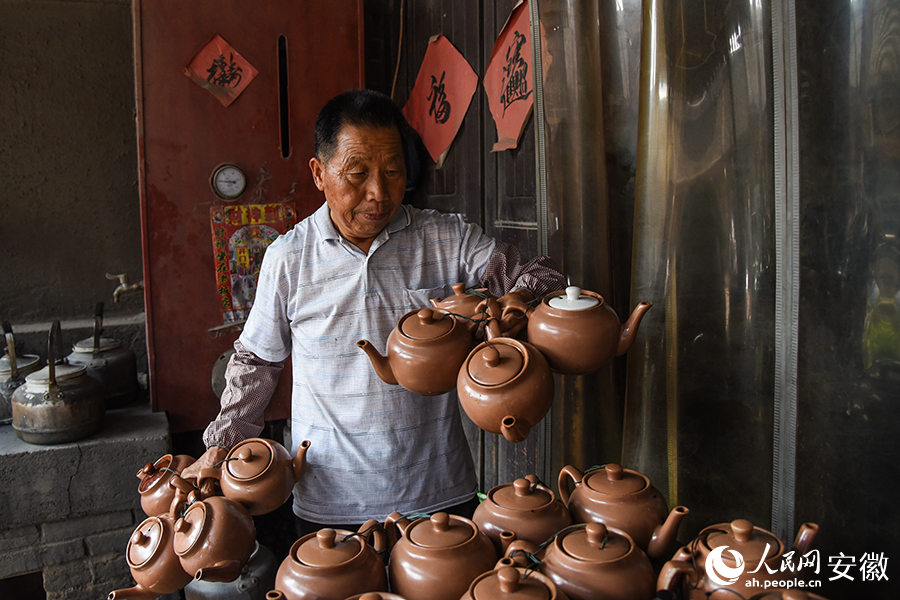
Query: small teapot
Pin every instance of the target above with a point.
(153, 562)
(437, 558)
(424, 352)
(687, 573)
(527, 508)
(624, 499)
(215, 536)
(332, 564)
(507, 582)
(156, 493)
(260, 474)
(591, 561)
(505, 385)
(578, 332)
(466, 306)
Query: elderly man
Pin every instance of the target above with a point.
(347, 272)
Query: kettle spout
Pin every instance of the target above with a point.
(665, 537)
(514, 430)
(805, 537)
(299, 461)
(630, 327)
(223, 571)
(133, 593)
(382, 365)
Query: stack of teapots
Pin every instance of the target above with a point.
(687, 574)
(156, 493)
(624, 499)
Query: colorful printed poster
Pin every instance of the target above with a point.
(240, 236)
(509, 81)
(441, 96)
(221, 70)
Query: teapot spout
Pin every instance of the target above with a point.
(630, 327)
(805, 537)
(299, 461)
(133, 593)
(665, 537)
(223, 571)
(514, 430)
(382, 365)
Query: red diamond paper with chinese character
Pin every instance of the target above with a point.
(509, 80)
(221, 70)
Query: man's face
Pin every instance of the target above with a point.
(364, 181)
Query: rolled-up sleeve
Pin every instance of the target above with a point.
(507, 270)
(250, 382)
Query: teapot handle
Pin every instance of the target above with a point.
(207, 480)
(373, 529)
(672, 574)
(566, 472)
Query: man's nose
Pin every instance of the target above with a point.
(378, 189)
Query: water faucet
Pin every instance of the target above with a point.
(124, 286)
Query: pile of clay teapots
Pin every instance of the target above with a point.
(156, 493)
(505, 384)
(624, 499)
(687, 574)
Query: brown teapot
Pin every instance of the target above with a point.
(260, 474)
(578, 332)
(153, 562)
(527, 508)
(332, 564)
(722, 545)
(215, 535)
(437, 558)
(156, 493)
(624, 499)
(424, 352)
(376, 596)
(590, 561)
(507, 582)
(468, 306)
(787, 595)
(505, 385)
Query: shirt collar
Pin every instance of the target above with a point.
(328, 231)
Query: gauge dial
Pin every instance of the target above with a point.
(228, 182)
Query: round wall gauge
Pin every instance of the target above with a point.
(228, 182)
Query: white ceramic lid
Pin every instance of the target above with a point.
(573, 300)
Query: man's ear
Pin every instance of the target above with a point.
(317, 168)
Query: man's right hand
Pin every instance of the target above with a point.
(210, 459)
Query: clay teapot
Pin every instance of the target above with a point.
(468, 306)
(578, 332)
(624, 499)
(424, 352)
(153, 562)
(526, 507)
(686, 574)
(507, 582)
(437, 558)
(787, 595)
(260, 474)
(215, 535)
(505, 385)
(332, 564)
(156, 493)
(590, 561)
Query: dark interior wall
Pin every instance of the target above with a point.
(69, 211)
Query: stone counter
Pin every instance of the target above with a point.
(68, 509)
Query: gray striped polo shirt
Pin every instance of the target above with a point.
(375, 448)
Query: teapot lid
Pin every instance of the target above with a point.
(743, 537)
(145, 542)
(508, 582)
(23, 363)
(425, 325)
(249, 459)
(62, 372)
(190, 528)
(495, 363)
(613, 480)
(573, 300)
(595, 543)
(520, 495)
(441, 531)
(153, 474)
(103, 344)
(324, 549)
